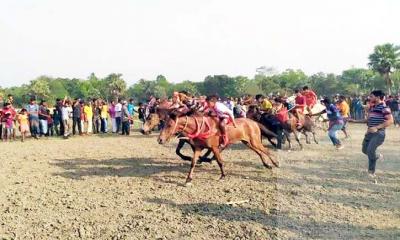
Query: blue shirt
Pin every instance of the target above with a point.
(131, 108)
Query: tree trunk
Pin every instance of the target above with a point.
(388, 83)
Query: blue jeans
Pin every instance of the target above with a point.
(332, 133)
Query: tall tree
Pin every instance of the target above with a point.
(116, 84)
(384, 60)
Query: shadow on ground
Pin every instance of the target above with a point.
(276, 221)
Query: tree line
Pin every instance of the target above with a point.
(383, 73)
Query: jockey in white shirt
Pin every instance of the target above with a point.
(224, 114)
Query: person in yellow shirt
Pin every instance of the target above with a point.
(104, 117)
(88, 111)
(264, 104)
(23, 123)
(344, 109)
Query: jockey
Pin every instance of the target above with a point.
(281, 112)
(301, 103)
(311, 98)
(264, 104)
(177, 104)
(224, 114)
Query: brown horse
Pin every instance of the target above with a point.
(308, 125)
(206, 134)
(154, 119)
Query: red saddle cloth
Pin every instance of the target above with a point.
(203, 129)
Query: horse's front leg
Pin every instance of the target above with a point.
(196, 155)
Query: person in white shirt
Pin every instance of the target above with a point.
(118, 109)
(66, 112)
(224, 114)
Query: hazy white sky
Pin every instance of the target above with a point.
(188, 39)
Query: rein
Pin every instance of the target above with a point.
(176, 124)
(199, 127)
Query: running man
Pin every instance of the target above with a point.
(344, 109)
(378, 119)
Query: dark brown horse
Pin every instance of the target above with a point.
(291, 126)
(247, 131)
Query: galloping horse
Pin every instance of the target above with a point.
(204, 133)
(154, 119)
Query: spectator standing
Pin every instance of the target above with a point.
(104, 117)
(88, 113)
(65, 113)
(23, 122)
(50, 124)
(393, 104)
(112, 116)
(76, 117)
(118, 109)
(43, 118)
(33, 113)
(125, 117)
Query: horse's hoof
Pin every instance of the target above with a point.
(268, 166)
(222, 178)
(188, 184)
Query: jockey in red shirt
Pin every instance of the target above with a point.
(311, 98)
(301, 103)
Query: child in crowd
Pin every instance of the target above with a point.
(7, 119)
(56, 121)
(50, 124)
(23, 123)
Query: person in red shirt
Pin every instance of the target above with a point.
(281, 112)
(301, 104)
(311, 98)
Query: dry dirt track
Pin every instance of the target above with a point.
(131, 188)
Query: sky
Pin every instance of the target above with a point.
(188, 39)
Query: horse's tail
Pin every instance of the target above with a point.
(265, 131)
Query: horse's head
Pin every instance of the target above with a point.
(169, 130)
(152, 121)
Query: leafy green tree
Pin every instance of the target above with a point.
(384, 60)
(267, 84)
(292, 79)
(188, 86)
(221, 85)
(57, 89)
(40, 87)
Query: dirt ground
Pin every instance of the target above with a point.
(109, 187)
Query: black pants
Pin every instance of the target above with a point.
(371, 142)
(57, 128)
(50, 130)
(118, 122)
(125, 128)
(61, 133)
(76, 121)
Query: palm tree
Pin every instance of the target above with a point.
(384, 60)
(116, 84)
